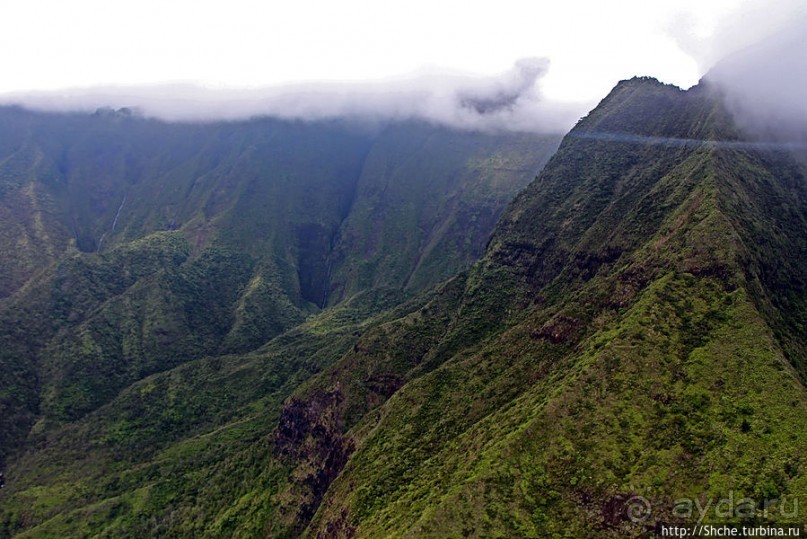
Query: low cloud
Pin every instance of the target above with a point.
(511, 101)
(766, 83)
(757, 57)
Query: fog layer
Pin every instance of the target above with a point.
(765, 83)
(511, 101)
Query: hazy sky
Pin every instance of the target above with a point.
(581, 47)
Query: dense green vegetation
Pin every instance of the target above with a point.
(619, 339)
(425, 204)
(635, 328)
(135, 247)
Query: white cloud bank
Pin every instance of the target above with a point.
(766, 83)
(511, 101)
(758, 58)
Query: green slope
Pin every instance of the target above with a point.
(140, 246)
(616, 341)
(633, 333)
(175, 451)
(253, 211)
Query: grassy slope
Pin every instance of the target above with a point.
(179, 444)
(633, 360)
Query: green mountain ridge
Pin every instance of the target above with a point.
(634, 332)
(624, 336)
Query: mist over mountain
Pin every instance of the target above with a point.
(765, 83)
(511, 101)
(757, 59)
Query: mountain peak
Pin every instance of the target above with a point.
(646, 106)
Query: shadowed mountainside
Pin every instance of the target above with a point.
(133, 246)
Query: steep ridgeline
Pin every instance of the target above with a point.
(635, 332)
(130, 246)
(634, 335)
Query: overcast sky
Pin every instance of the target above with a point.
(570, 51)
